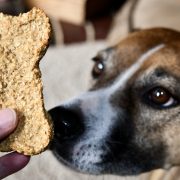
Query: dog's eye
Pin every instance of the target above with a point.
(161, 97)
(98, 69)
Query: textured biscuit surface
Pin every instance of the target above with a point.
(23, 41)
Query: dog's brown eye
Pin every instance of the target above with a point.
(161, 97)
(98, 69)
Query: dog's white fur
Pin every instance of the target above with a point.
(122, 80)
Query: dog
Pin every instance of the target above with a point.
(129, 121)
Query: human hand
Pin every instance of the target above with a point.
(14, 161)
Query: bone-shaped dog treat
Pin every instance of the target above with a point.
(23, 42)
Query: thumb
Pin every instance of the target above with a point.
(8, 122)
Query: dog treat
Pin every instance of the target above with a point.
(23, 41)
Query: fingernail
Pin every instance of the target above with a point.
(8, 121)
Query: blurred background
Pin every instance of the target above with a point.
(72, 21)
(76, 21)
(80, 29)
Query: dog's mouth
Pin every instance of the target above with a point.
(80, 164)
(98, 168)
(96, 158)
(92, 158)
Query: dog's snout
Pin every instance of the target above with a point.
(67, 122)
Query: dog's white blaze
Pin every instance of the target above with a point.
(99, 113)
(122, 80)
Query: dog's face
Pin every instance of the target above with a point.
(129, 121)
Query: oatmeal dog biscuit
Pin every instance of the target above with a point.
(23, 42)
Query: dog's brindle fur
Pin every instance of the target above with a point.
(118, 130)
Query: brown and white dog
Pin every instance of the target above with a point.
(129, 121)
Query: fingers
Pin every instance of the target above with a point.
(12, 163)
(8, 122)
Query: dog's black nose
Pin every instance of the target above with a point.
(67, 122)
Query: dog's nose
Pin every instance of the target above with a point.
(67, 122)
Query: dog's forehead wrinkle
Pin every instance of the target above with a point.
(121, 81)
(150, 79)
